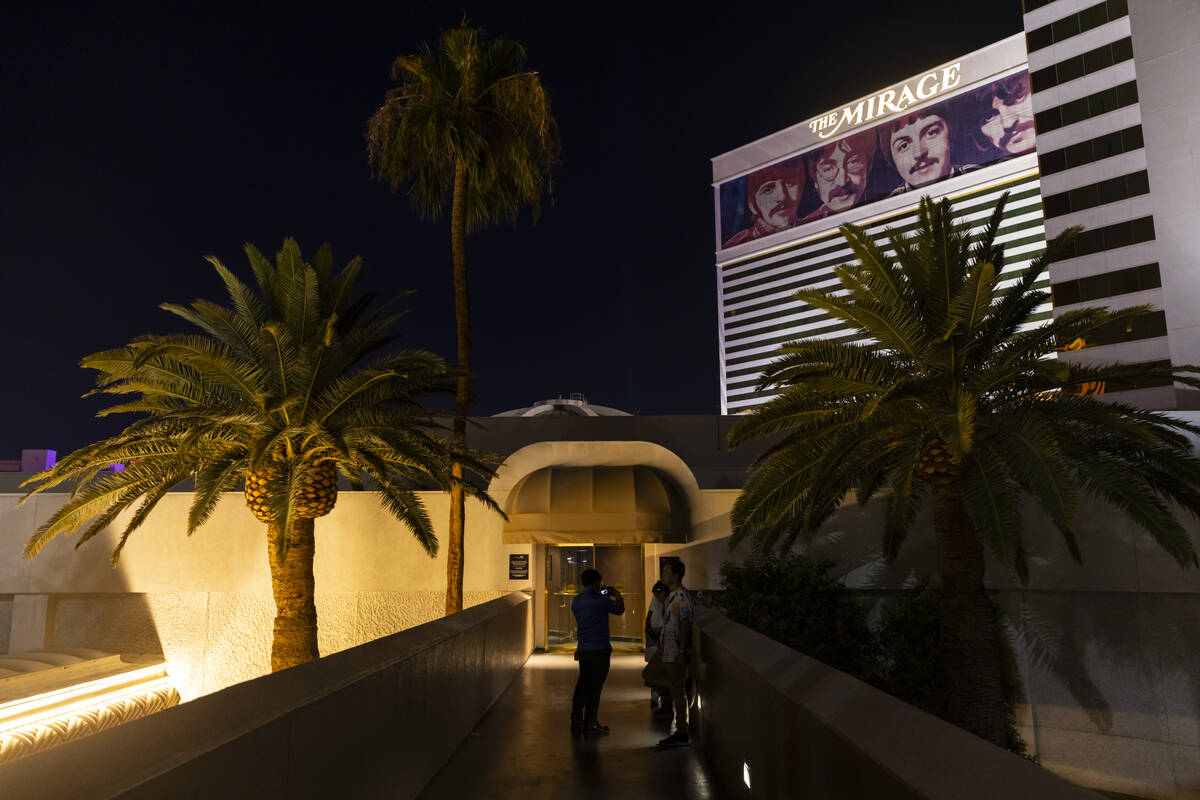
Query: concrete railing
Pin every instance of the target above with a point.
(377, 720)
(790, 726)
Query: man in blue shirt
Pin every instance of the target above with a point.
(591, 608)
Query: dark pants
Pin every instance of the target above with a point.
(593, 669)
(677, 673)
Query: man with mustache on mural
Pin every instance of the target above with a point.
(921, 148)
(1003, 116)
(773, 196)
(840, 172)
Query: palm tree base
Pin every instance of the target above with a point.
(292, 583)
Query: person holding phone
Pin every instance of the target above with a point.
(593, 649)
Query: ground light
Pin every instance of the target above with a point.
(746, 774)
(61, 713)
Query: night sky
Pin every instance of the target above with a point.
(135, 142)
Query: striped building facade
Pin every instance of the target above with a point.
(758, 309)
(757, 278)
(1117, 110)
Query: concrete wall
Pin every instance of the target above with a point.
(374, 721)
(1119, 707)
(205, 602)
(1166, 47)
(806, 730)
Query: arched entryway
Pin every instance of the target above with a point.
(602, 516)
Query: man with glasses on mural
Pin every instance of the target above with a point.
(772, 197)
(840, 172)
(921, 147)
(1002, 113)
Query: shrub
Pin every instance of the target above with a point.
(910, 662)
(793, 600)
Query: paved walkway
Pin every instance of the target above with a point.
(523, 748)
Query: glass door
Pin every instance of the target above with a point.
(564, 564)
(621, 566)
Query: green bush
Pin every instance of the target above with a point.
(910, 664)
(793, 600)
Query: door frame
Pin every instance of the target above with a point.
(544, 579)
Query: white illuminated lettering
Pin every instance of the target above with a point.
(951, 75)
(889, 101)
(924, 93)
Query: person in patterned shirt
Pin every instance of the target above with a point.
(676, 645)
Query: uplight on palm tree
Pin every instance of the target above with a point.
(468, 127)
(950, 394)
(284, 389)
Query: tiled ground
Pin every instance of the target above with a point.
(523, 748)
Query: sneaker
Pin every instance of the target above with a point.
(596, 728)
(676, 739)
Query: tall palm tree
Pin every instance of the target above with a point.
(284, 388)
(948, 392)
(468, 125)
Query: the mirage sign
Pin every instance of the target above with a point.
(889, 101)
(861, 163)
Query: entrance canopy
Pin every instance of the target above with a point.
(610, 505)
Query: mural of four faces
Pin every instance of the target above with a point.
(911, 151)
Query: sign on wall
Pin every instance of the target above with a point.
(518, 566)
(906, 152)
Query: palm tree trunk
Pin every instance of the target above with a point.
(969, 638)
(462, 314)
(295, 639)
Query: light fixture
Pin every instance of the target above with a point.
(33, 723)
(746, 774)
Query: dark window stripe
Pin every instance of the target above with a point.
(1102, 57)
(1147, 326)
(1074, 24)
(1091, 150)
(1082, 198)
(1093, 105)
(1110, 237)
(1107, 284)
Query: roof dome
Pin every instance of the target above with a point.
(575, 405)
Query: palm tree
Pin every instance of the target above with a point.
(949, 392)
(285, 388)
(469, 125)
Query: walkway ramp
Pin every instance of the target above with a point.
(523, 747)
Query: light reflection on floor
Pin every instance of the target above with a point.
(523, 747)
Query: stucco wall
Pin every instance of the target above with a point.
(375, 721)
(6, 610)
(205, 602)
